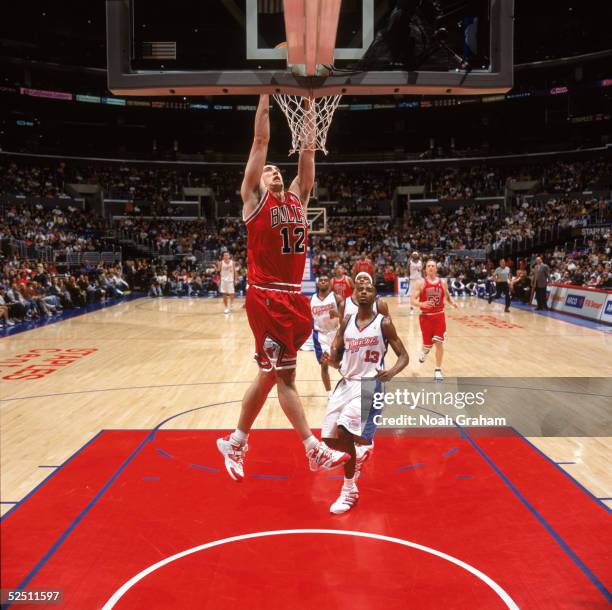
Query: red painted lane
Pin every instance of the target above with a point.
(478, 520)
(29, 532)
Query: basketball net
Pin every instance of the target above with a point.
(309, 119)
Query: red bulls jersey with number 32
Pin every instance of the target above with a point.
(277, 235)
(433, 292)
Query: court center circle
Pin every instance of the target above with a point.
(499, 591)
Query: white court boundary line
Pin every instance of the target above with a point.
(119, 593)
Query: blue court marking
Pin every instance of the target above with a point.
(410, 466)
(203, 468)
(134, 387)
(45, 466)
(565, 462)
(604, 498)
(562, 317)
(450, 452)
(55, 471)
(565, 473)
(66, 315)
(568, 550)
(164, 453)
(55, 546)
(5, 502)
(336, 476)
(269, 476)
(181, 385)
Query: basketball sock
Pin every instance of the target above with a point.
(310, 443)
(238, 437)
(349, 484)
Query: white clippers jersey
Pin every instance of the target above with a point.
(320, 312)
(227, 271)
(351, 308)
(416, 270)
(364, 350)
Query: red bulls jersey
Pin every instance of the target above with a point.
(277, 236)
(432, 291)
(366, 266)
(341, 287)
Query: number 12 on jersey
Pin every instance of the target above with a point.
(299, 235)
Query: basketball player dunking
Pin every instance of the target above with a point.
(361, 343)
(430, 294)
(278, 313)
(227, 287)
(415, 273)
(351, 306)
(327, 311)
(342, 284)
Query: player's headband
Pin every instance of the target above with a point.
(364, 274)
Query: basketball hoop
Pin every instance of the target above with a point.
(309, 119)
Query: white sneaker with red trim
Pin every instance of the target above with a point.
(322, 457)
(347, 500)
(233, 455)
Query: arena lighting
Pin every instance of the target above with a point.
(410, 37)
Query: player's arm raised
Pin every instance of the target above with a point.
(337, 347)
(449, 298)
(302, 184)
(398, 347)
(249, 190)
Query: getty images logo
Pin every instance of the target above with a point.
(575, 300)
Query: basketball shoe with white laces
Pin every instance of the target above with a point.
(438, 375)
(233, 455)
(348, 498)
(322, 457)
(364, 453)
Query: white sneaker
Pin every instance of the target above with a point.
(226, 310)
(234, 457)
(10, 323)
(348, 498)
(438, 375)
(364, 452)
(411, 311)
(322, 457)
(423, 356)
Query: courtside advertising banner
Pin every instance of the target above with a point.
(584, 302)
(402, 285)
(606, 314)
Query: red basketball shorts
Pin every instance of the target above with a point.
(433, 328)
(281, 322)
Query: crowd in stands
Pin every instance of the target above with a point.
(70, 229)
(365, 183)
(37, 290)
(33, 288)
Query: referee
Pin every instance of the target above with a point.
(501, 275)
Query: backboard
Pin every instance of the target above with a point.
(228, 47)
